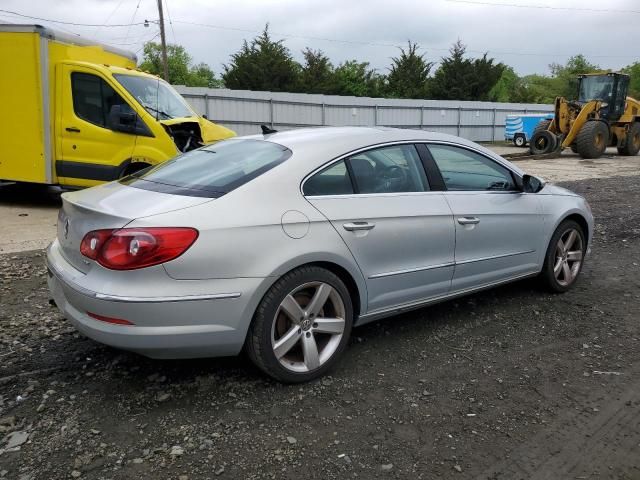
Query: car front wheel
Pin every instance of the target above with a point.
(301, 326)
(565, 256)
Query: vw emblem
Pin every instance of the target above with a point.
(66, 228)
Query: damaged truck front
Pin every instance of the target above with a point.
(82, 114)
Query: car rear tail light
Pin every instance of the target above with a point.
(115, 321)
(133, 248)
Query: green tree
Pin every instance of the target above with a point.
(511, 88)
(357, 79)
(486, 74)
(201, 75)
(409, 74)
(263, 64)
(454, 77)
(566, 84)
(317, 73)
(633, 71)
(181, 72)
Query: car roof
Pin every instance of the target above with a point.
(342, 140)
(317, 145)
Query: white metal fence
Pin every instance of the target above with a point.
(244, 111)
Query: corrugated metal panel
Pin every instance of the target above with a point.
(244, 111)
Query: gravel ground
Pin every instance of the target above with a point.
(507, 384)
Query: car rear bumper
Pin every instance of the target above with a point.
(182, 326)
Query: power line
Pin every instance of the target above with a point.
(542, 7)
(70, 23)
(132, 18)
(173, 32)
(375, 44)
(110, 15)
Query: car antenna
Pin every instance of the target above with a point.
(266, 130)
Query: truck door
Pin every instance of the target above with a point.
(90, 150)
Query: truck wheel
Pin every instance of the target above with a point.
(592, 139)
(543, 141)
(631, 145)
(519, 140)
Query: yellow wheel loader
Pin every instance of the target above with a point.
(603, 116)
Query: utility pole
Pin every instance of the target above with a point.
(165, 65)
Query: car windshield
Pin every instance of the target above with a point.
(211, 171)
(156, 96)
(596, 88)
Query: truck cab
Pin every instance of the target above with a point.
(80, 113)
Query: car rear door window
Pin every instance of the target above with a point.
(211, 171)
(391, 169)
(333, 180)
(464, 169)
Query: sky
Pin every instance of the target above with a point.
(525, 34)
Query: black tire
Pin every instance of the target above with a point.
(258, 344)
(592, 139)
(543, 141)
(574, 148)
(631, 144)
(547, 275)
(541, 126)
(519, 140)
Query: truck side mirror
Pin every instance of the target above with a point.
(122, 119)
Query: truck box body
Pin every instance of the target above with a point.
(48, 120)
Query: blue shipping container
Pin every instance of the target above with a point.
(519, 128)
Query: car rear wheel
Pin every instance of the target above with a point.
(564, 258)
(301, 326)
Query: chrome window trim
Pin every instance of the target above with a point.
(345, 156)
(499, 160)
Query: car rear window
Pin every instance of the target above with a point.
(211, 171)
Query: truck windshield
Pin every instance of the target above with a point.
(596, 88)
(156, 96)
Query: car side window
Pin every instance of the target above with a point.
(333, 180)
(93, 98)
(463, 169)
(389, 170)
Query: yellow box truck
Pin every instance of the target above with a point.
(79, 113)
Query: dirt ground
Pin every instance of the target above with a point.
(512, 383)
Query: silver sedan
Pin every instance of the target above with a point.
(279, 244)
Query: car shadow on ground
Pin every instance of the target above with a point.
(90, 357)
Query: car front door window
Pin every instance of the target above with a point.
(465, 170)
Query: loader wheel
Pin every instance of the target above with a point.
(543, 141)
(631, 145)
(574, 148)
(592, 139)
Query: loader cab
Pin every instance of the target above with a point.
(608, 88)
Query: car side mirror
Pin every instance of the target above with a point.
(122, 119)
(531, 184)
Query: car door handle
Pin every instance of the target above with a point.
(355, 226)
(72, 129)
(468, 220)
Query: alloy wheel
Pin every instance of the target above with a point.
(568, 257)
(308, 326)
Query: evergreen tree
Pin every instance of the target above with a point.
(263, 64)
(317, 72)
(409, 74)
(454, 77)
